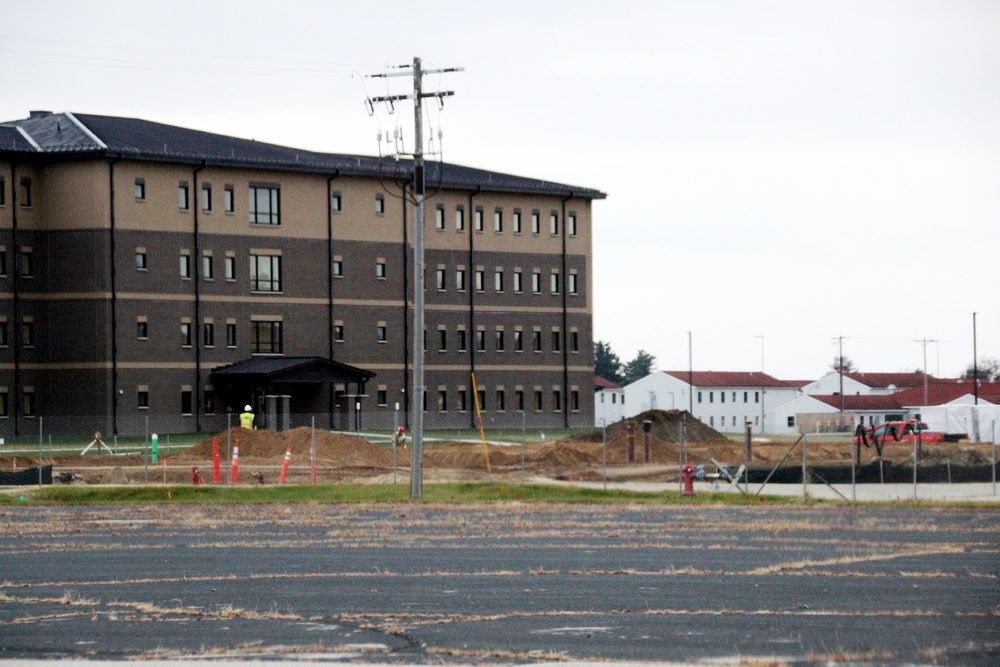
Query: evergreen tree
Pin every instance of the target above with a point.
(988, 370)
(639, 367)
(606, 363)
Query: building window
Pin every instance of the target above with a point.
(554, 283)
(380, 270)
(209, 402)
(140, 189)
(571, 283)
(442, 400)
(142, 400)
(3, 334)
(556, 400)
(574, 341)
(208, 334)
(25, 193)
(460, 219)
(183, 199)
(498, 340)
(519, 399)
(265, 273)
(266, 338)
(264, 205)
(536, 224)
(711, 397)
(206, 198)
(442, 280)
(478, 219)
(229, 199)
(556, 340)
(553, 223)
(480, 340)
(536, 282)
(745, 395)
(518, 340)
(574, 400)
(207, 267)
(140, 260)
(335, 202)
(338, 268)
(439, 217)
(480, 280)
(27, 333)
(536, 340)
(481, 399)
(338, 333)
(517, 282)
(756, 397)
(186, 402)
(27, 263)
(498, 281)
(498, 220)
(442, 340)
(185, 334)
(699, 397)
(28, 403)
(516, 220)
(379, 205)
(538, 400)
(185, 265)
(382, 397)
(3, 262)
(571, 224)
(460, 280)
(381, 334)
(3, 192)
(461, 340)
(142, 330)
(230, 268)
(722, 397)
(791, 421)
(230, 334)
(501, 403)
(461, 400)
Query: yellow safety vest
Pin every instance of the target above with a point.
(246, 420)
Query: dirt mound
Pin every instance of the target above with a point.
(665, 425)
(345, 450)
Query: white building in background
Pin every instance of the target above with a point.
(609, 402)
(723, 400)
(865, 384)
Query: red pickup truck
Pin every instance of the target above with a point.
(898, 432)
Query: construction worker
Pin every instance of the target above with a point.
(246, 418)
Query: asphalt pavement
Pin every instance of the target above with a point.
(502, 583)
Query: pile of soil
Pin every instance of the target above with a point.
(665, 426)
(343, 449)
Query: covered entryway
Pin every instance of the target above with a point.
(278, 387)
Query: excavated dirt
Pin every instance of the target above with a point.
(341, 456)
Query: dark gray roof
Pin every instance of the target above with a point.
(87, 135)
(291, 369)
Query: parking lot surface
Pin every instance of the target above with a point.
(511, 583)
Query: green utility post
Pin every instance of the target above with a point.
(154, 453)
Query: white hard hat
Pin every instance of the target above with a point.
(247, 408)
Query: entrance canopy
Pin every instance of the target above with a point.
(273, 375)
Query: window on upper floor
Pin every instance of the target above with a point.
(207, 267)
(230, 334)
(140, 189)
(460, 280)
(536, 224)
(230, 268)
(554, 283)
(498, 280)
(516, 221)
(183, 196)
(142, 330)
(206, 198)
(335, 202)
(536, 282)
(229, 199)
(265, 273)
(379, 205)
(517, 282)
(381, 333)
(208, 334)
(459, 219)
(185, 265)
(439, 217)
(27, 263)
(518, 340)
(498, 220)
(571, 283)
(571, 224)
(480, 280)
(185, 334)
(460, 340)
(478, 219)
(141, 260)
(265, 204)
(267, 337)
(380, 269)
(25, 192)
(553, 223)
(442, 279)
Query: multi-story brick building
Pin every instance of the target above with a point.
(149, 269)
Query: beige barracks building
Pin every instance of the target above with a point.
(151, 270)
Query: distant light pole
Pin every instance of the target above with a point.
(690, 378)
(762, 412)
(975, 363)
(925, 341)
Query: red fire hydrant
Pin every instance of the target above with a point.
(687, 474)
(195, 477)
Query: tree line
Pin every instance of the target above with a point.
(608, 365)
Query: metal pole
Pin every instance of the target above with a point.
(524, 440)
(690, 378)
(417, 394)
(805, 478)
(395, 442)
(975, 362)
(604, 452)
(229, 443)
(41, 428)
(994, 457)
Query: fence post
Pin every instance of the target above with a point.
(680, 455)
(41, 428)
(915, 441)
(229, 440)
(993, 450)
(312, 451)
(604, 452)
(854, 471)
(524, 441)
(805, 475)
(395, 442)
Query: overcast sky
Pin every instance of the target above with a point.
(793, 170)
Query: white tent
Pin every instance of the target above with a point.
(978, 423)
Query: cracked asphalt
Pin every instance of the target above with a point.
(505, 583)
